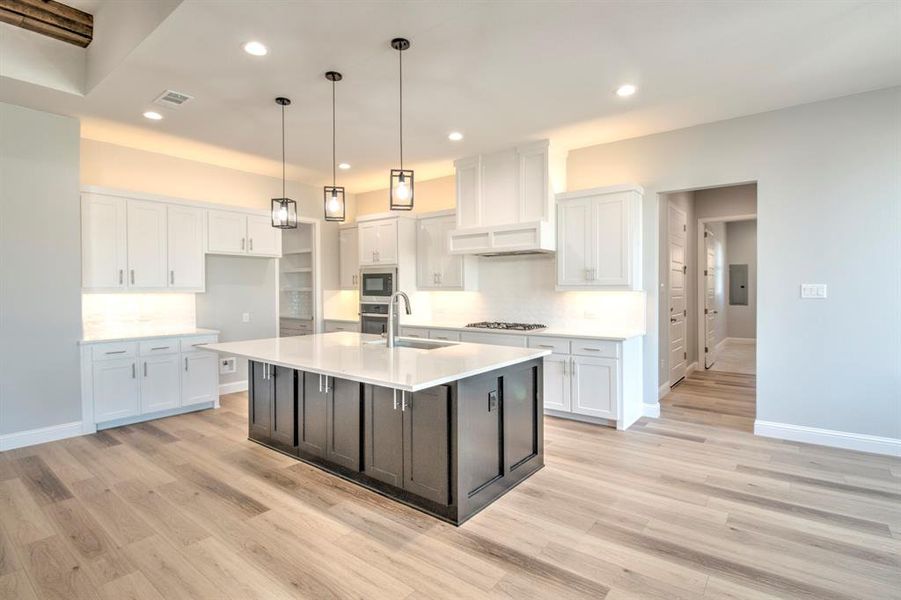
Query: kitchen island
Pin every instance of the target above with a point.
(445, 427)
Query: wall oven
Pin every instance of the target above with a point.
(374, 318)
(377, 285)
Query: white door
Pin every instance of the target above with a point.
(262, 238)
(147, 244)
(185, 241)
(428, 252)
(349, 258)
(369, 243)
(557, 388)
(468, 173)
(710, 312)
(450, 271)
(594, 387)
(678, 234)
(226, 232)
(574, 242)
(160, 384)
(200, 378)
(387, 242)
(612, 245)
(104, 256)
(115, 389)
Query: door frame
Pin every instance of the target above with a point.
(700, 282)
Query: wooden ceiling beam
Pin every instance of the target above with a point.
(49, 18)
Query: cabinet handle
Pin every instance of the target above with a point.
(403, 401)
(326, 384)
(251, 245)
(116, 352)
(171, 277)
(439, 279)
(121, 275)
(186, 363)
(320, 383)
(242, 244)
(395, 399)
(132, 277)
(160, 348)
(545, 346)
(145, 368)
(132, 370)
(592, 349)
(565, 362)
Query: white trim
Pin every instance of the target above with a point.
(20, 439)
(691, 369)
(829, 437)
(663, 390)
(121, 193)
(719, 345)
(234, 386)
(651, 411)
(740, 340)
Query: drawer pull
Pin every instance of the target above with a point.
(545, 346)
(116, 352)
(591, 349)
(199, 344)
(160, 348)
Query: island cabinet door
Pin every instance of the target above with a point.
(521, 414)
(312, 415)
(383, 435)
(260, 409)
(426, 449)
(284, 407)
(344, 415)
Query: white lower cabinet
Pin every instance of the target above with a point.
(138, 380)
(200, 378)
(115, 389)
(331, 326)
(160, 388)
(594, 387)
(556, 382)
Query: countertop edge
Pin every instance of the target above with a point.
(135, 338)
(550, 332)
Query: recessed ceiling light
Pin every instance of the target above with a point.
(153, 115)
(256, 49)
(343, 166)
(625, 90)
(455, 136)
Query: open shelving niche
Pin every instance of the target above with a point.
(297, 284)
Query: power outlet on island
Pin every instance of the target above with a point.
(228, 365)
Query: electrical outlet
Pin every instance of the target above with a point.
(813, 290)
(245, 317)
(228, 365)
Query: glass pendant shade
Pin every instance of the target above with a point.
(333, 203)
(401, 189)
(284, 213)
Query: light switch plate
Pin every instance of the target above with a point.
(813, 290)
(245, 317)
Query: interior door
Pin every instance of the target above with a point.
(262, 238)
(678, 235)
(710, 312)
(103, 241)
(185, 244)
(147, 244)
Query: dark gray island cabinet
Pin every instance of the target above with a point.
(449, 450)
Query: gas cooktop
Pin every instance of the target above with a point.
(505, 325)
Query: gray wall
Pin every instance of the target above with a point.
(235, 285)
(40, 270)
(728, 201)
(741, 249)
(828, 211)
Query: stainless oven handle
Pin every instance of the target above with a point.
(380, 316)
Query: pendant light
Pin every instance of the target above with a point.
(284, 210)
(333, 196)
(401, 188)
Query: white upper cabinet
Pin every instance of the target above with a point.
(147, 244)
(348, 250)
(262, 238)
(468, 191)
(239, 233)
(500, 186)
(378, 241)
(185, 244)
(599, 238)
(104, 257)
(436, 267)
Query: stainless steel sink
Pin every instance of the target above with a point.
(418, 343)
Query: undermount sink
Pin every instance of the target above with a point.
(418, 343)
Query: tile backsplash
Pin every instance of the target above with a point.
(115, 312)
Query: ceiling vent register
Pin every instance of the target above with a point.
(173, 99)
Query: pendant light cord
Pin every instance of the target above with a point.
(334, 179)
(400, 58)
(283, 151)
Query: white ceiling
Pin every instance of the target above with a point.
(501, 72)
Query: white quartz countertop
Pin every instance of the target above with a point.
(586, 331)
(125, 334)
(346, 355)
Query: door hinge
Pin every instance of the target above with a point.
(684, 313)
(705, 271)
(685, 355)
(705, 234)
(705, 349)
(705, 311)
(683, 228)
(684, 268)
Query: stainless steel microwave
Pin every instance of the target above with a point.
(377, 285)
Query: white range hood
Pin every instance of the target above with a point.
(505, 204)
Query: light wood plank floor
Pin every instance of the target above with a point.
(737, 356)
(687, 506)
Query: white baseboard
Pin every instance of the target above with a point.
(829, 437)
(691, 368)
(234, 386)
(651, 410)
(719, 346)
(663, 390)
(739, 340)
(20, 439)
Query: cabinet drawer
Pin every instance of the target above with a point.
(556, 345)
(441, 334)
(497, 339)
(158, 346)
(414, 332)
(114, 350)
(341, 326)
(188, 344)
(601, 348)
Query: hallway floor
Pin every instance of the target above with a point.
(737, 356)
